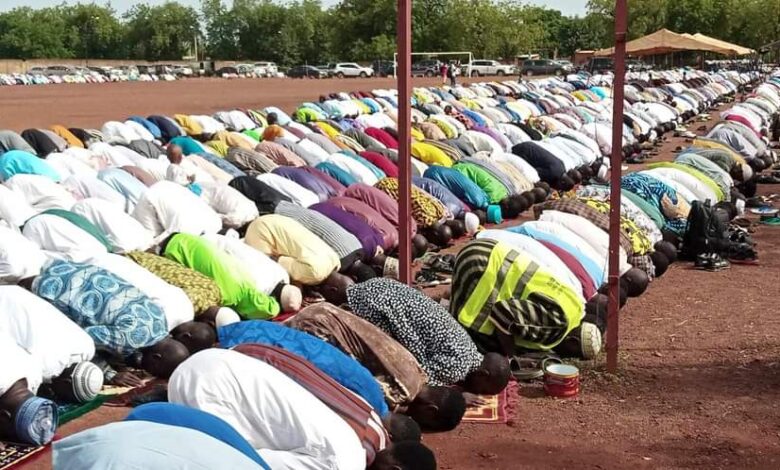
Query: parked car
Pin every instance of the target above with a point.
(542, 67)
(383, 68)
(268, 69)
(566, 64)
(227, 72)
(306, 71)
(480, 68)
(426, 68)
(325, 69)
(182, 71)
(351, 69)
(59, 70)
(599, 65)
(37, 71)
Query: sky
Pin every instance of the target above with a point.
(568, 7)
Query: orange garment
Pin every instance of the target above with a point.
(71, 139)
(272, 133)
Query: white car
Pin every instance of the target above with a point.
(267, 69)
(480, 68)
(351, 69)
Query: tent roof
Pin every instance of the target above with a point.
(737, 49)
(664, 41)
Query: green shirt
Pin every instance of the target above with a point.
(235, 284)
(493, 188)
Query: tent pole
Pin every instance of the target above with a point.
(404, 45)
(621, 21)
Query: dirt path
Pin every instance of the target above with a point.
(699, 381)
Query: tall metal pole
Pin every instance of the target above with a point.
(404, 44)
(621, 25)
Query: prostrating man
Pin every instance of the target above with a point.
(183, 416)
(441, 346)
(20, 162)
(121, 320)
(125, 184)
(317, 438)
(264, 196)
(356, 412)
(369, 216)
(235, 283)
(370, 239)
(202, 291)
(235, 209)
(181, 171)
(65, 234)
(144, 444)
(345, 244)
(62, 349)
(167, 208)
(24, 417)
(308, 259)
(402, 379)
(124, 232)
(531, 310)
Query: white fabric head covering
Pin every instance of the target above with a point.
(290, 298)
(472, 223)
(226, 316)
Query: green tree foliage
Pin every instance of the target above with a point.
(304, 31)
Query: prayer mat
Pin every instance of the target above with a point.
(129, 395)
(14, 455)
(496, 409)
(71, 411)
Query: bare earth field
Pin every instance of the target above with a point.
(699, 380)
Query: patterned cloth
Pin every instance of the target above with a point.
(201, 290)
(639, 241)
(441, 346)
(628, 209)
(426, 209)
(660, 195)
(118, 317)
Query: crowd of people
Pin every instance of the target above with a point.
(249, 258)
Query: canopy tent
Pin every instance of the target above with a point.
(664, 41)
(737, 49)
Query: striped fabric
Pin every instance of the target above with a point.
(342, 242)
(496, 287)
(250, 161)
(577, 207)
(351, 408)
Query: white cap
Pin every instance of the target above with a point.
(472, 223)
(226, 316)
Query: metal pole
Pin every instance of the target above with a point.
(621, 22)
(404, 140)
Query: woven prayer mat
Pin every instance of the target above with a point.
(71, 411)
(13, 455)
(496, 409)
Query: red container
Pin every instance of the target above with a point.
(561, 380)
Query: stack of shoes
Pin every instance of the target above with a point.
(712, 262)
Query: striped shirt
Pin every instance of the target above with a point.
(342, 242)
(496, 287)
(350, 407)
(250, 161)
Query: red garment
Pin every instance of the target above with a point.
(383, 136)
(352, 409)
(743, 120)
(382, 162)
(571, 262)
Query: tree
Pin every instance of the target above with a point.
(26, 33)
(164, 32)
(95, 31)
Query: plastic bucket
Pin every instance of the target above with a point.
(561, 380)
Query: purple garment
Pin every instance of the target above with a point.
(378, 200)
(336, 188)
(305, 179)
(371, 217)
(369, 238)
(502, 141)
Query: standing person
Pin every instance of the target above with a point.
(444, 69)
(451, 74)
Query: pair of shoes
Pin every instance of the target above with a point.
(712, 262)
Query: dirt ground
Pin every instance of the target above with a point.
(699, 379)
(90, 105)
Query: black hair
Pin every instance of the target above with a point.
(403, 428)
(661, 263)
(457, 227)
(668, 249)
(451, 408)
(539, 194)
(510, 207)
(481, 215)
(406, 456)
(566, 183)
(362, 272)
(636, 281)
(575, 175)
(271, 118)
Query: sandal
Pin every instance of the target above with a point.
(530, 366)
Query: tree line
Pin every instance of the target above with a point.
(304, 31)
